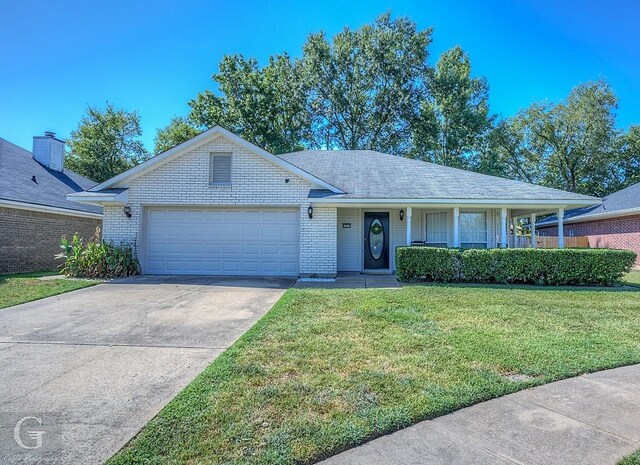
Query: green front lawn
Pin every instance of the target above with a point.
(632, 278)
(633, 459)
(20, 288)
(325, 370)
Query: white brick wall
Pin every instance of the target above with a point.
(255, 181)
(318, 235)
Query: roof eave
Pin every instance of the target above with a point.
(593, 217)
(560, 203)
(48, 209)
(100, 198)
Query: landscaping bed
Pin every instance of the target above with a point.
(20, 288)
(326, 370)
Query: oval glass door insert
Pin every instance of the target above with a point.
(376, 239)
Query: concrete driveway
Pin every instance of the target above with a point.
(94, 365)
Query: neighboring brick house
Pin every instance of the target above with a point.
(613, 224)
(34, 210)
(218, 205)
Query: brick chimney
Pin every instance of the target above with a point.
(49, 151)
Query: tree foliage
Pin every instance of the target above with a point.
(628, 163)
(373, 88)
(106, 143)
(572, 145)
(454, 117)
(179, 130)
(266, 106)
(366, 84)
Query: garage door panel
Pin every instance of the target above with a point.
(212, 249)
(270, 232)
(290, 250)
(250, 267)
(251, 249)
(221, 241)
(194, 247)
(213, 264)
(289, 268)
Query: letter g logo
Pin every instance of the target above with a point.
(33, 435)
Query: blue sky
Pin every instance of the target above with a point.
(58, 57)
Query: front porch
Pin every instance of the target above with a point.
(368, 235)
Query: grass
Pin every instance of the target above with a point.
(633, 459)
(632, 279)
(20, 288)
(326, 370)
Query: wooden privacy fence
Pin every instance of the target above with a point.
(551, 242)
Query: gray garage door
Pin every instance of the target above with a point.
(251, 242)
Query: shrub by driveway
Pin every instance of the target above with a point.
(325, 370)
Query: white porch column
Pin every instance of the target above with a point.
(514, 223)
(456, 226)
(561, 228)
(503, 227)
(532, 219)
(409, 215)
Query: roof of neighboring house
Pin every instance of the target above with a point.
(365, 174)
(621, 203)
(18, 170)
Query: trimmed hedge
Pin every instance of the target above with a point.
(549, 267)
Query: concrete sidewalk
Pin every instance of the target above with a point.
(591, 419)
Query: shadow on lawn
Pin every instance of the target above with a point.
(531, 287)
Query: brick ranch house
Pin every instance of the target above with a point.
(218, 205)
(613, 224)
(34, 210)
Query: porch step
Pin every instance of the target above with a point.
(378, 271)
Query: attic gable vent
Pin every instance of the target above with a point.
(220, 169)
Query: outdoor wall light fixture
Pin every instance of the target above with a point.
(127, 211)
(401, 214)
(310, 211)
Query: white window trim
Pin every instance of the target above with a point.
(446, 224)
(211, 167)
(486, 222)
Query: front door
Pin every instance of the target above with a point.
(376, 241)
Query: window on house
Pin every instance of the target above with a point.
(220, 169)
(572, 233)
(437, 229)
(473, 230)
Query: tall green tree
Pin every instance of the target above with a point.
(510, 152)
(576, 140)
(366, 84)
(454, 119)
(106, 143)
(266, 106)
(627, 169)
(179, 130)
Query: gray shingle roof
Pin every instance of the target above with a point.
(365, 174)
(624, 199)
(17, 168)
